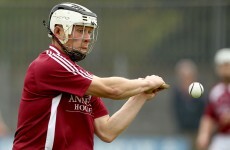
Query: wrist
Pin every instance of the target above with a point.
(139, 98)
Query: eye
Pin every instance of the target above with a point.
(80, 30)
(90, 31)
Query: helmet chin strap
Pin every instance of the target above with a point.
(74, 55)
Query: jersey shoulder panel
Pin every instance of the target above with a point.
(216, 92)
(56, 72)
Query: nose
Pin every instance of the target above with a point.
(86, 37)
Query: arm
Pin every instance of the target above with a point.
(3, 127)
(108, 128)
(122, 88)
(205, 132)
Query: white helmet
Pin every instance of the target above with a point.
(222, 56)
(69, 14)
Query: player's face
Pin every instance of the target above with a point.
(80, 38)
(223, 72)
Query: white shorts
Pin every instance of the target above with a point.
(220, 142)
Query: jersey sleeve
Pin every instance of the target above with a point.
(99, 108)
(59, 76)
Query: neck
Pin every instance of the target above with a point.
(74, 55)
(57, 45)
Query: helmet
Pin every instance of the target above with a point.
(222, 56)
(69, 14)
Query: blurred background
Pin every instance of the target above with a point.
(136, 38)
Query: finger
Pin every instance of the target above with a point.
(162, 87)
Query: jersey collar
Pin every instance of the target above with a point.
(57, 51)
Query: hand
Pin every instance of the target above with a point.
(155, 81)
(158, 83)
(162, 87)
(144, 95)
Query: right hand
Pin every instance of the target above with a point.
(155, 81)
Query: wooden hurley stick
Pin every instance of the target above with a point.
(162, 87)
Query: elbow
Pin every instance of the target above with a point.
(108, 139)
(107, 136)
(115, 93)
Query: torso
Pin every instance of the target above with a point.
(54, 113)
(219, 103)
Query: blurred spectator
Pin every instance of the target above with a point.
(187, 111)
(3, 127)
(214, 130)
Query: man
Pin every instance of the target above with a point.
(214, 130)
(60, 106)
(187, 111)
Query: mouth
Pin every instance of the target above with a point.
(83, 49)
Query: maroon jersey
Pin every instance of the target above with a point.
(54, 111)
(219, 103)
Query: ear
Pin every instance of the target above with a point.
(59, 32)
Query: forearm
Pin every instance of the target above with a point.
(127, 88)
(206, 129)
(122, 118)
(119, 121)
(207, 126)
(121, 88)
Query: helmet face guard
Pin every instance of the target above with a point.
(92, 39)
(70, 15)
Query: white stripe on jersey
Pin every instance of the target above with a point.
(51, 47)
(64, 62)
(73, 68)
(216, 92)
(52, 122)
(83, 74)
(70, 65)
(63, 65)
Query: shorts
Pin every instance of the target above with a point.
(220, 142)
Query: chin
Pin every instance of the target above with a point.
(84, 51)
(226, 80)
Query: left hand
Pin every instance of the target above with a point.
(144, 95)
